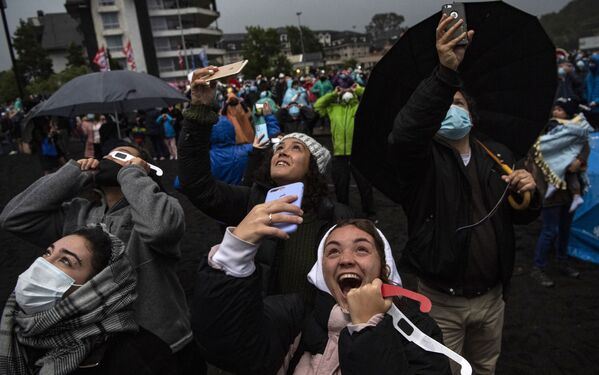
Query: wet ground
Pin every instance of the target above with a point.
(547, 331)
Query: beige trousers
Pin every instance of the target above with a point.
(471, 326)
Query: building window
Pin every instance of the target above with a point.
(104, 3)
(158, 23)
(283, 38)
(114, 42)
(166, 65)
(110, 20)
(154, 4)
(162, 44)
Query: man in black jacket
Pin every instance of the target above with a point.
(448, 183)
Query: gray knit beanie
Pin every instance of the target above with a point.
(320, 153)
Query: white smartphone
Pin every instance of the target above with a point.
(297, 189)
(261, 132)
(123, 156)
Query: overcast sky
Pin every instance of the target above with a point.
(316, 14)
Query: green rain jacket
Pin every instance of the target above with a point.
(342, 117)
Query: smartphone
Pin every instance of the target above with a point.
(259, 107)
(261, 132)
(223, 71)
(123, 156)
(457, 11)
(297, 189)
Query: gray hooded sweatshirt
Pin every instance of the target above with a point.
(150, 223)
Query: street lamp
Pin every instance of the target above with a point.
(10, 51)
(299, 24)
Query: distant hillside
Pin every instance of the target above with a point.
(579, 18)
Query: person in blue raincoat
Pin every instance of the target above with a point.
(228, 159)
(591, 90)
(296, 94)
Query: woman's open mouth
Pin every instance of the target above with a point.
(349, 281)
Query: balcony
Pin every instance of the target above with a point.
(211, 34)
(191, 51)
(107, 8)
(109, 32)
(173, 74)
(172, 4)
(202, 18)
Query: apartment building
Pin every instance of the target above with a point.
(167, 36)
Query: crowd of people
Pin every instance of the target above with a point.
(104, 296)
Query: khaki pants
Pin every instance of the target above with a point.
(471, 327)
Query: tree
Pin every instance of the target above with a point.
(75, 56)
(311, 43)
(383, 22)
(262, 49)
(33, 61)
(8, 86)
(280, 64)
(53, 83)
(351, 63)
(579, 18)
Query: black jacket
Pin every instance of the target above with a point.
(435, 192)
(302, 124)
(140, 353)
(241, 332)
(226, 203)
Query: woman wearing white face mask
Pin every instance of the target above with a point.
(346, 332)
(72, 313)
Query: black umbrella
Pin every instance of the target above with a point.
(105, 92)
(108, 92)
(509, 69)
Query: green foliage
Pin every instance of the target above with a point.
(75, 56)
(383, 22)
(262, 49)
(33, 61)
(53, 83)
(8, 86)
(579, 18)
(311, 43)
(351, 63)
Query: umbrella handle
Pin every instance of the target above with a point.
(522, 205)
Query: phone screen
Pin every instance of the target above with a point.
(261, 132)
(297, 189)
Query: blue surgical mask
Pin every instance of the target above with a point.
(457, 123)
(294, 111)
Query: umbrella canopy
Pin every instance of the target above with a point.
(584, 233)
(107, 92)
(509, 69)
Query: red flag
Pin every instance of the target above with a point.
(181, 61)
(101, 60)
(128, 51)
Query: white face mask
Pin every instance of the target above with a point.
(346, 97)
(41, 286)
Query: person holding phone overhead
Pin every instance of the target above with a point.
(460, 225)
(296, 158)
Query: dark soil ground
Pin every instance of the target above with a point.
(547, 331)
